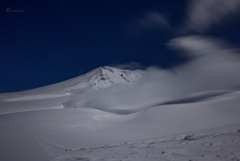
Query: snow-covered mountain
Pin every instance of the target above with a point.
(103, 77)
(71, 120)
(99, 78)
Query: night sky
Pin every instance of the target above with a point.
(45, 42)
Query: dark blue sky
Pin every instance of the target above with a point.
(47, 42)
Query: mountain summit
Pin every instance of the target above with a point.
(106, 76)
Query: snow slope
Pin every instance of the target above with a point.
(53, 96)
(106, 107)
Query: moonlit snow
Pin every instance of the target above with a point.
(112, 114)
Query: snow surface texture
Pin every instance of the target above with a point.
(91, 116)
(219, 144)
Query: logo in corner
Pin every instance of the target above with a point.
(9, 10)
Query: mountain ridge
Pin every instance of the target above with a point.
(107, 76)
(96, 79)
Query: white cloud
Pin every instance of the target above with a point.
(216, 64)
(201, 45)
(149, 21)
(130, 65)
(203, 14)
(153, 19)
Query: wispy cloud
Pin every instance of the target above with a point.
(215, 67)
(149, 21)
(215, 64)
(202, 14)
(130, 65)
